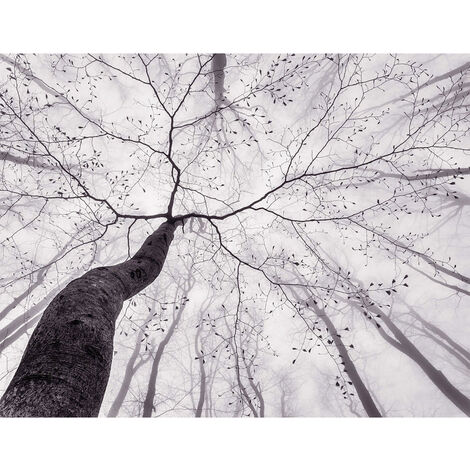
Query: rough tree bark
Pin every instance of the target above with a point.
(65, 368)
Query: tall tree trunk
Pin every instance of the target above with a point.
(26, 319)
(438, 332)
(433, 173)
(41, 275)
(29, 161)
(255, 387)
(438, 267)
(19, 332)
(284, 413)
(361, 389)
(202, 371)
(448, 285)
(131, 369)
(445, 346)
(244, 395)
(403, 344)
(219, 61)
(17, 300)
(65, 368)
(151, 389)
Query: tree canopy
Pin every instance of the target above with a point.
(318, 266)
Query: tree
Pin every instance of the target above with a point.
(179, 309)
(262, 169)
(65, 368)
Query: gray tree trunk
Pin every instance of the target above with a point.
(24, 321)
(437, 331)
(219, 62)
(362, 391)
(131, 369)
(151, 389)
(403, 344)
(202, 371)
(65, 368)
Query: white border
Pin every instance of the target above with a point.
(236, 26)
(234, 444)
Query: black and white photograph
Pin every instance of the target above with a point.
(221, 234)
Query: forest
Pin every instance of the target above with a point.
(234, 235)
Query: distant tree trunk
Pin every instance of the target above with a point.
(442, 283)
(131, 369)
(28, 161)
(438, 332)
(202, 371)
(151, 389)
(244, 395)
(361, 389)
(433, 173)
(41, 275)
(430, 262)
(403, 344)
(17, 300)
(284, 413)
(381, 408)
(210, 380)
(65, 368)
(17, 334)
(33, 286)
(445, 346)
(24, 321)
(255, 387)
(219, 62)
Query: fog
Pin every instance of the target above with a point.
(310, 216)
